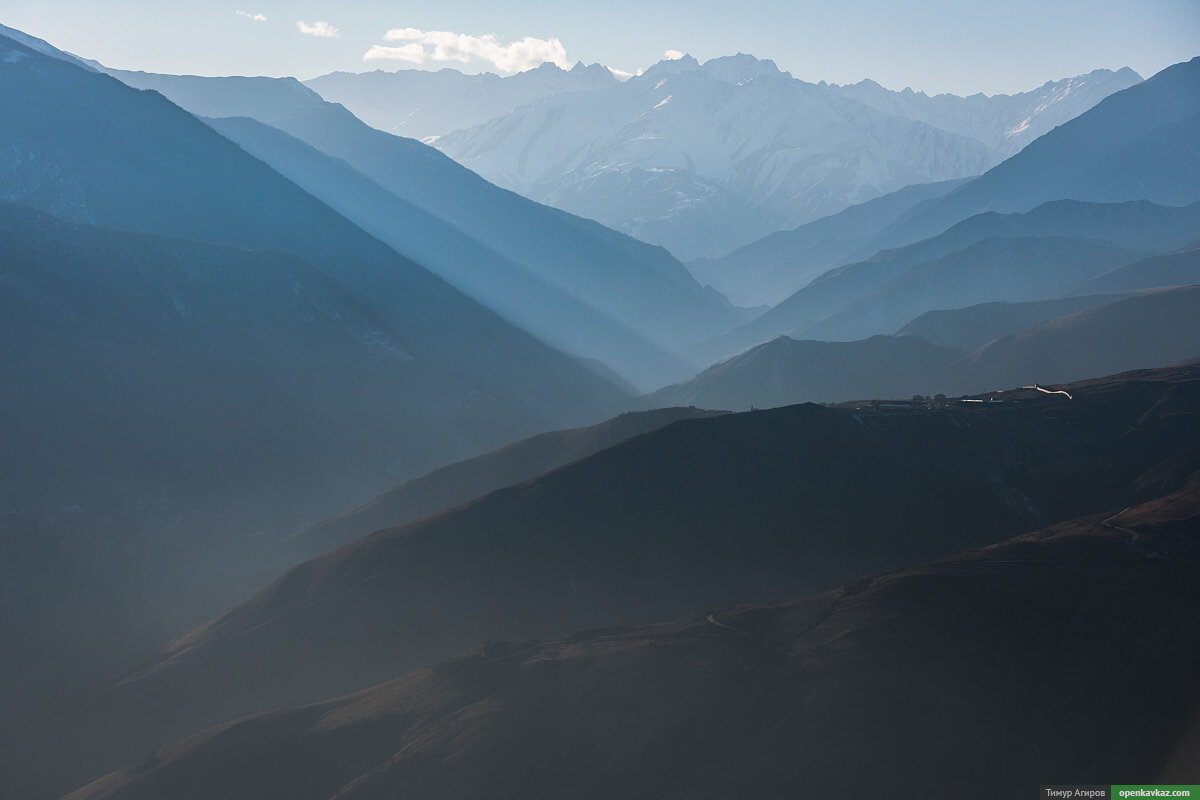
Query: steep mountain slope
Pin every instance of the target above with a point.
(523, 298)
(1147, 329)
(1138, 144)
(974, 326)
(39, 46)
(704, 159)
(700, 513)
(1140, 225)
(467, 480)
(707, 158)
(1015, 344)
(818, 696)
(641, 286)
(785, 371)
(164, 401)
(420, 103)
(85, 147)
(1006, 123)
(996, 268)
(1181, 268)
(772, 268)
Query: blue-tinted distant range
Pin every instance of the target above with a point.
(958, 46)
(647, 401)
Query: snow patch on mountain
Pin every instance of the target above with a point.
(705, 158)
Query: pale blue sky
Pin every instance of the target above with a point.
(959, 46)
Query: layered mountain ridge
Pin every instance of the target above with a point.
(640, 286)
(819, 693)
(732, 506)
(704, 158)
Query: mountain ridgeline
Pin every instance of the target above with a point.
(705, 158)
(169, 421)
(331, 469)
(1037, 255)
(641, 286)
(819, 693)
(733, 508)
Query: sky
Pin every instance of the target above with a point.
(959, 46)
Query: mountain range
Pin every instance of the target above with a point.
(168, 404)
(466, 480)
(420, 103)
(639, 286)
(760, 699)
(769, 270)
(333, 469)
(989, 256)
(706, 158)
(1133, 145)
(732, 508)
(1010, 344)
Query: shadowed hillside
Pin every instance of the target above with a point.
(744, 507)
(861, 691)
(467, 480)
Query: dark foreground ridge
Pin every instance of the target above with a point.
(1067, 655)
(754, 507)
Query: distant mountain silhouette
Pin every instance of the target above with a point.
(996, 268)
(736, 508)
(862, 690)
(1138, 225)
(972, 327)
(1015, 344)
(704, 158)
(1005, 122)
(1136, 144)
(1180, 268)
(421, 103)
(785, 371)
(475, 477)
(85, 147)
(770, 269)
(43, 47)
(639, 285)
(552, 314)
(1147, 329)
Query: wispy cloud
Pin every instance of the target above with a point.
(420, 46)
(321, 29)
(256, 17)
(672, 55)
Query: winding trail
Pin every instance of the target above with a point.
(1049, 391)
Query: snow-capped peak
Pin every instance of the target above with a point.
(671, 66)
(742, 67)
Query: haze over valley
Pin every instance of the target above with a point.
(506, 426)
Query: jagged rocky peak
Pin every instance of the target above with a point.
(742, 67)
(590, 69)
(672, 66)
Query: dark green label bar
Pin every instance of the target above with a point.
(1127, 792)
(1150, 790)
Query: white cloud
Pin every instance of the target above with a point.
(411, 52)
(621, 74)
(321, 29)
(448, 46)
(256, 17)
(672, 55)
